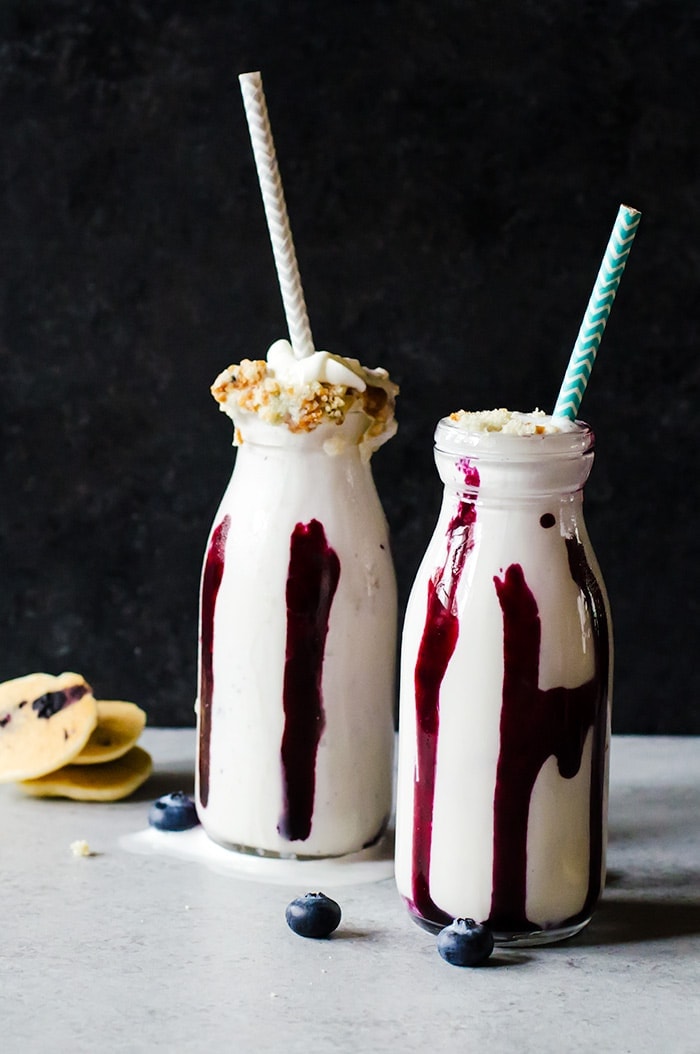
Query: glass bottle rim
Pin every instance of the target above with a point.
(453, 440)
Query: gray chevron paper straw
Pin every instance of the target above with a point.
(589, 336)
(276, 214)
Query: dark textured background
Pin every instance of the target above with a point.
(452, 172)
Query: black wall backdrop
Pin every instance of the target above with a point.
(452, 171)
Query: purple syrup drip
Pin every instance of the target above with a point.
(211, 581)
(583, 576)
(535, 725)
(312, 579)
(437, 644)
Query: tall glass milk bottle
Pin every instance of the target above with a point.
(297, 648)
(505, 691)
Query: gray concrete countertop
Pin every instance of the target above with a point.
(136, 953)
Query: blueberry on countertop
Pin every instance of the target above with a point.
(173, 812)
(313, 915)
(465, 943)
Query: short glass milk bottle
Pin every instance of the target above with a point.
(505, 690)
(297, 648)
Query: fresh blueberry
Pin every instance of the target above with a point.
(313, 915)
(465, 943)
(173, 812)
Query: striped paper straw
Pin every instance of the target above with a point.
(589, 336)
(276, 214)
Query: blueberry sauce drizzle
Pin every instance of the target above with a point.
(536, 724)
(589, 585)
(312, 579)
(211, 581)
(53, 702)
(438, 642)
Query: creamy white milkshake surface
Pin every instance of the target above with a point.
(511, 422)
(298, 614)
(504, 709)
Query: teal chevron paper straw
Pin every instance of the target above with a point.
(589, 336)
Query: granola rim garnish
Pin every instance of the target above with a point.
(247, 386)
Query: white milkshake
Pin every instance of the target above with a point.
(505, 687)
(298, 614)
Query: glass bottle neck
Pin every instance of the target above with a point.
(499, 467)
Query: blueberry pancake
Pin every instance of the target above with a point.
(110, 781)
(119, 725)
(45, 722)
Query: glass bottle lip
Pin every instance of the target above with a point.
(450, 439)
